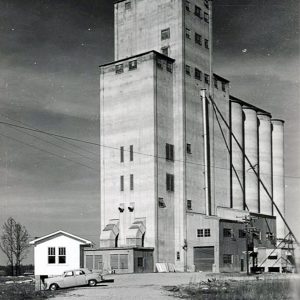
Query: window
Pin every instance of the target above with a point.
(121, 154)
(114, 261)
(169, 67)
(198, 74)
(79, 272)
(227, 232)
(206, 78)
(188, 70)
(198, 11)
(165, 51)
(242, 233)
(121, 183)
(200, 233)
(127, 5)
(273, 257)
(119, 69)
(131, 182)
(189, 148)
(61, 255)
(165, 34)
(187, 33)
(131, 152)
(159, 63)
(207, 232)
(206, 4)
(98, 263)
(187, 5)
(223, 87)
(227, 259)
(170, 152)
(189, 204)
(206, 44)
(69, 274)
(269, 236)
(170, 182)
(161, 203)
(206, 19)
(123, 261)
(89, 262)
(178, 255)
(140, 262)
(198, 39)
(51, 255)
(215, 83)
(132, 65)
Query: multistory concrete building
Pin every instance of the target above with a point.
(175, 184)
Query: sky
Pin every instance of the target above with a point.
(50, 52)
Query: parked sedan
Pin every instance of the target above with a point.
(73, 278)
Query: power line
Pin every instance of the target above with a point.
(118, 149)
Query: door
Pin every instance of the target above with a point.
(69, 279)
(204, 258)
(80, 277)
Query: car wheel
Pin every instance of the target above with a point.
(53, 287)
(92, 282)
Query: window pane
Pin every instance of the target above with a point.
(121, 154)
(62, 259)
(132, 65)
(119, 68)
(131, 152)
(89, 262)
(114, 261)
(165, 34)
(123, 261)
(122, 183)
(140, 261)
(131, 182)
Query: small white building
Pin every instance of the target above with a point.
(56, 252)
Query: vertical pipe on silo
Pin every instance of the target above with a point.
(251, 151)
(265, 162)
(237, 155)
(278, 174)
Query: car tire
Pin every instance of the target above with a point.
(92, 282)
(53, 287)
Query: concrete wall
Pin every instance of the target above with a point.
(41, 266)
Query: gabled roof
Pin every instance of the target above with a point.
(57, 233)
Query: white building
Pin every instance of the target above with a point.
(56, 252)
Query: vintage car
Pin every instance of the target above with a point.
(73, 278)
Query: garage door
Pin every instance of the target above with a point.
(204, 258)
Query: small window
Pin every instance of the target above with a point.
(121, 183)
(51, 255)
(198, 74)
(206, 18)
(227, 232)
(159, 63)
(198, 39)
(206, 44)
(205, 2)
(178, 255)
(69, 274)
(119, 69)
(188, 70)
(223, 87)
(131, 182)
(161, 203)
(269, 236)
(170, 152)
(165, 51)
(215, 83)
(187, 5)
(165, 34)
(170, 182)
(121, 154)
(207, 232)
(132, 65)
(198, 11)
(131, 152)
(187, 33)
(79, 272)
(128, 5)
(227, 259)
(272, 257)
(200, 233)
(169, 67)
(206, 78)
(140, 262)
(189, 204)
(189, 148)
(61, 255)
(242, 233)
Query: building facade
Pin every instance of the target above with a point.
(180, 158)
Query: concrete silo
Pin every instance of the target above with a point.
(251, 151)
(265, 161)
(278, 173)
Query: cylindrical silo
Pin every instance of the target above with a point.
(237, 155)
(278, 174)
(251, 151)
(265, 162)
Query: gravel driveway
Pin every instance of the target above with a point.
(133, 287)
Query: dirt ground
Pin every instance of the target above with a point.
(142, 286)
